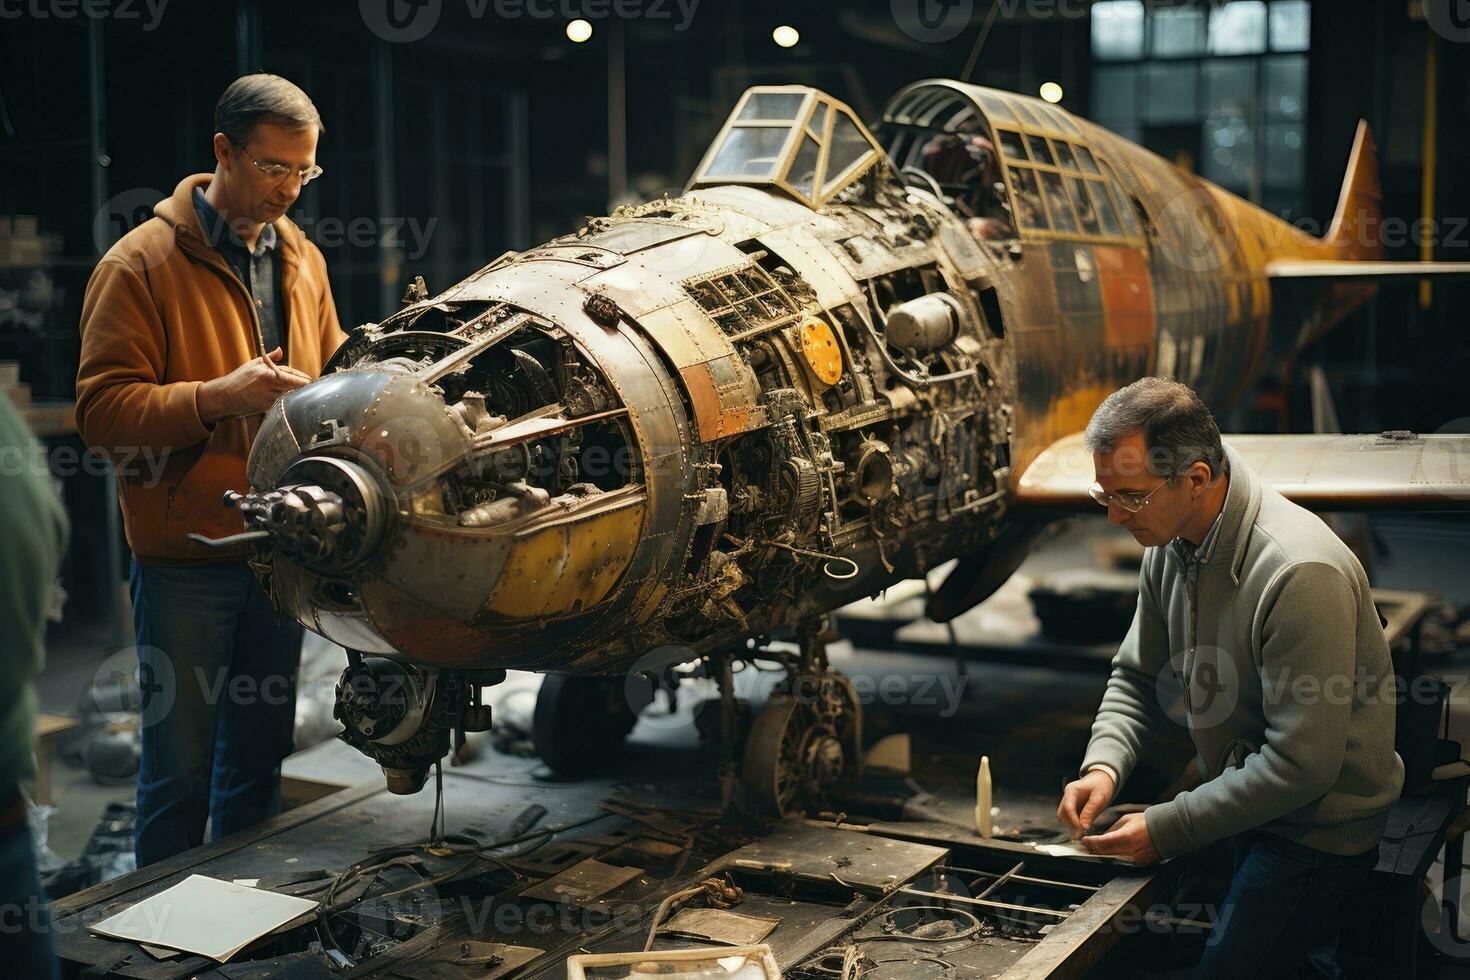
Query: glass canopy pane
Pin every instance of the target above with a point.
(772, 105)
(803, 175)
(748, 152)
(848, 145)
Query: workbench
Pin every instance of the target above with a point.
(1045, 917)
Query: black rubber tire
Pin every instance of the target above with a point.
(580, 723)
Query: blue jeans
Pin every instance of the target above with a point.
(25, 921)
(218, 672)
(1283, 914)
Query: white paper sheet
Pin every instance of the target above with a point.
(204, 915)
(1074, 849)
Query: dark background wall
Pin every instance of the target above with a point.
(491, 132)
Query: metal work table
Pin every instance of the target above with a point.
(823, 883)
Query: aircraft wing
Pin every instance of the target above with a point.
(1357, 270)
(1390, 471)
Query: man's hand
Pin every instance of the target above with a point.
(1082, 799)
(250, 389)
(1128, 840)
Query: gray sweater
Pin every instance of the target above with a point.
(33, 531)
(1287, 686)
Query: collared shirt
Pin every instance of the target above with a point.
(259, 270)
(1206, 547)
(1194, 555)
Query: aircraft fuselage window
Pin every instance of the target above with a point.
(966, 169)
(1027, 200)
(1056, 201)
(1011, 145)
(1084, 156)
(1064, 155)
(1106, 213)
(1082, 203)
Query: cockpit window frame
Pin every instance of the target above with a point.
(1027, 119)
(815, 119)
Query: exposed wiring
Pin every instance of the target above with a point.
(893, 932)
(722, 895)
(383, 858)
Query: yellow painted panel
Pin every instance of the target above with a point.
(567, 567)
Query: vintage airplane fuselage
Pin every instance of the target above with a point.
(709, 418)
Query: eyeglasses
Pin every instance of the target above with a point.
(1131, 501)
(278, 171)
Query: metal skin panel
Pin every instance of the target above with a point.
(771, 210)
(409, 432)
(1127, 297)
(462, 565)
(650, 280)
(274, 448)
(568, 565)
(812, 260)
(656, 414)
(705, 400)
(685, 334)
(294, 590)
(409, 623)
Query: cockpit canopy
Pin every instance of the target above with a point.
(1050, 182)
(792, 137)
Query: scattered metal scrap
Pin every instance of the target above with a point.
(864, 863)
(582, 883)
(719, 926)
(455, 961)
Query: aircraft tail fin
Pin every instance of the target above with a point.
(1354, 232)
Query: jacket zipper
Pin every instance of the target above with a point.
(1192, 597)
(254, 316)
(229, 274)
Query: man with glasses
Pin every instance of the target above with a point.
(193, 324)
(1261, 620)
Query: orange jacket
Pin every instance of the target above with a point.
(164, 313)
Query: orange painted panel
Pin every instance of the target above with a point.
(1127, 294)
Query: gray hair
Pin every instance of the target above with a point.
(263, 98)
(1178, 430)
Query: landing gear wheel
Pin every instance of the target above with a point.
(580, 723)
(807, 737)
